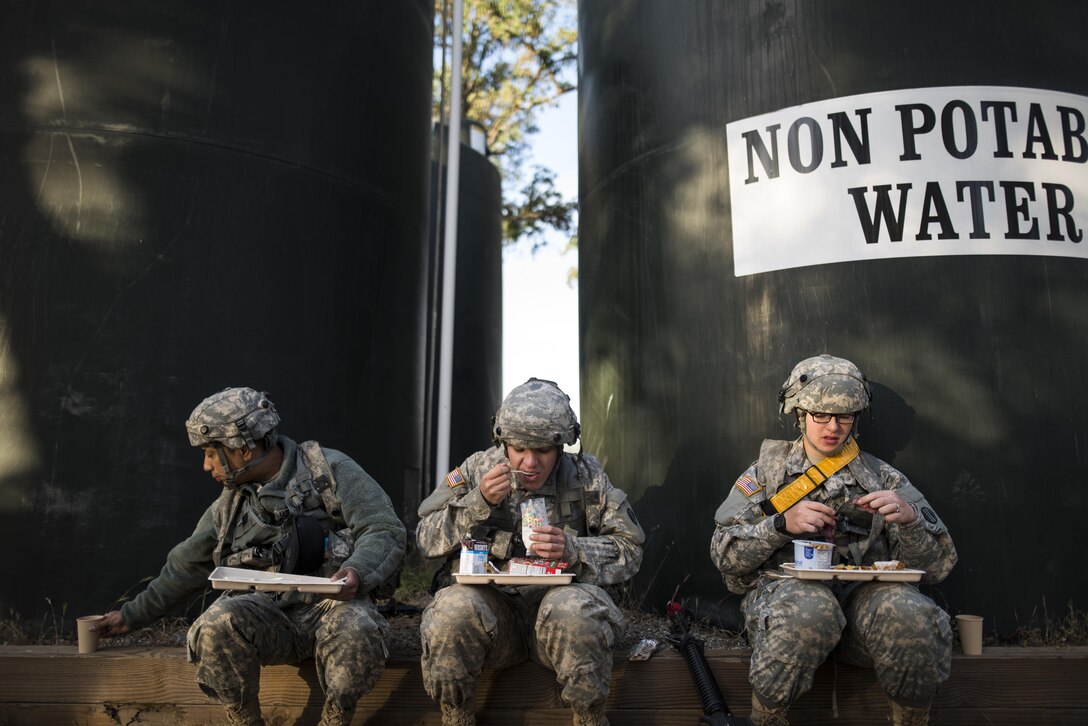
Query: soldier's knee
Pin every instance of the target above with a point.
(234, 622)
(357, 621)
(582, 609)
(799, 635)
(456, 608)
(817, 605)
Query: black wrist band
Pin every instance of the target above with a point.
(780, 524)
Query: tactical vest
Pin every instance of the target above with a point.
(567, 511)
(859, 536)
(502, 529)
(300, 530)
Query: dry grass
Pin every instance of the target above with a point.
(1043, 629)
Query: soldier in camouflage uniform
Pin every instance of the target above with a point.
(872, 513)
(568, 628)
(284, 507)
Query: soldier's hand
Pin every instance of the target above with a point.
(808, 516)
(111, 624)
(495, 484)
(548, 542)
(351, 584)
(889, 505)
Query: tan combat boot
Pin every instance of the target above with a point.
(463, 715)
(909, 715)
(333, 714)
(590, 717)
(245, 714)
(764, 715)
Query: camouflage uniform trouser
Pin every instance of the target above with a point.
(241, 632)
(794, 625)
(569, 629)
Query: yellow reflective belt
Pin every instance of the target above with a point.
(807, 482)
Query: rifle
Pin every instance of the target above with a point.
(715, 712)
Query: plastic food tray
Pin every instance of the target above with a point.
(508, 579)
(239, 578)
(885, 575)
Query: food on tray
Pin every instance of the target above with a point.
(534, 513)
(879, 565)
(535, 566)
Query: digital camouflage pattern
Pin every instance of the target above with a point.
(234, 417)
(604, 539)
(794, 625)
(230, 641)
(365, 508)
(346, 638)
(568, 628)
(536, 413)
(825, 384)
(745, 544)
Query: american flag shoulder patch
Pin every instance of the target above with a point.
(454, 479)
(748, 485)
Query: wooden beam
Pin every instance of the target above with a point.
(54, 684)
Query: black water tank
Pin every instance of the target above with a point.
(977, 359)
(195, 196)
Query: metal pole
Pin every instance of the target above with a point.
(449, 265)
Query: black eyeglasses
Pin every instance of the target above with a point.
(843, 418)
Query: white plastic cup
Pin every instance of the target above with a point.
(87, 638)
(810, 555)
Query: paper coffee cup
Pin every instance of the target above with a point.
(970, 627)
(88, 639)
(810, 555)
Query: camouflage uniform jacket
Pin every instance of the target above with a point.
(365, 509)
(604, 539)
(746, 544)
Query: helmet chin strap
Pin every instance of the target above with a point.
(230, 474)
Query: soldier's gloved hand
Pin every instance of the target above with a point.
(495, 484)
(112, 624)
(548, 542)
(351, 584)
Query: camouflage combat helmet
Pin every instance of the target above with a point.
(825, 384)
(235, 418)
(535, 414)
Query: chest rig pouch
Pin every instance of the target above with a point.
(566, 510)
(297, 531)
(858, 536)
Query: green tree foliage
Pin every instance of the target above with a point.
(518, 56)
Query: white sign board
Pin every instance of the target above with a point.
(957, 170)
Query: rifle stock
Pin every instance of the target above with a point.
(715, 710)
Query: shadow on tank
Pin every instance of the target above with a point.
(191, 203)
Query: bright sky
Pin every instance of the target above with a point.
(540, 309)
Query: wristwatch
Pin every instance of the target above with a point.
(780, 523)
